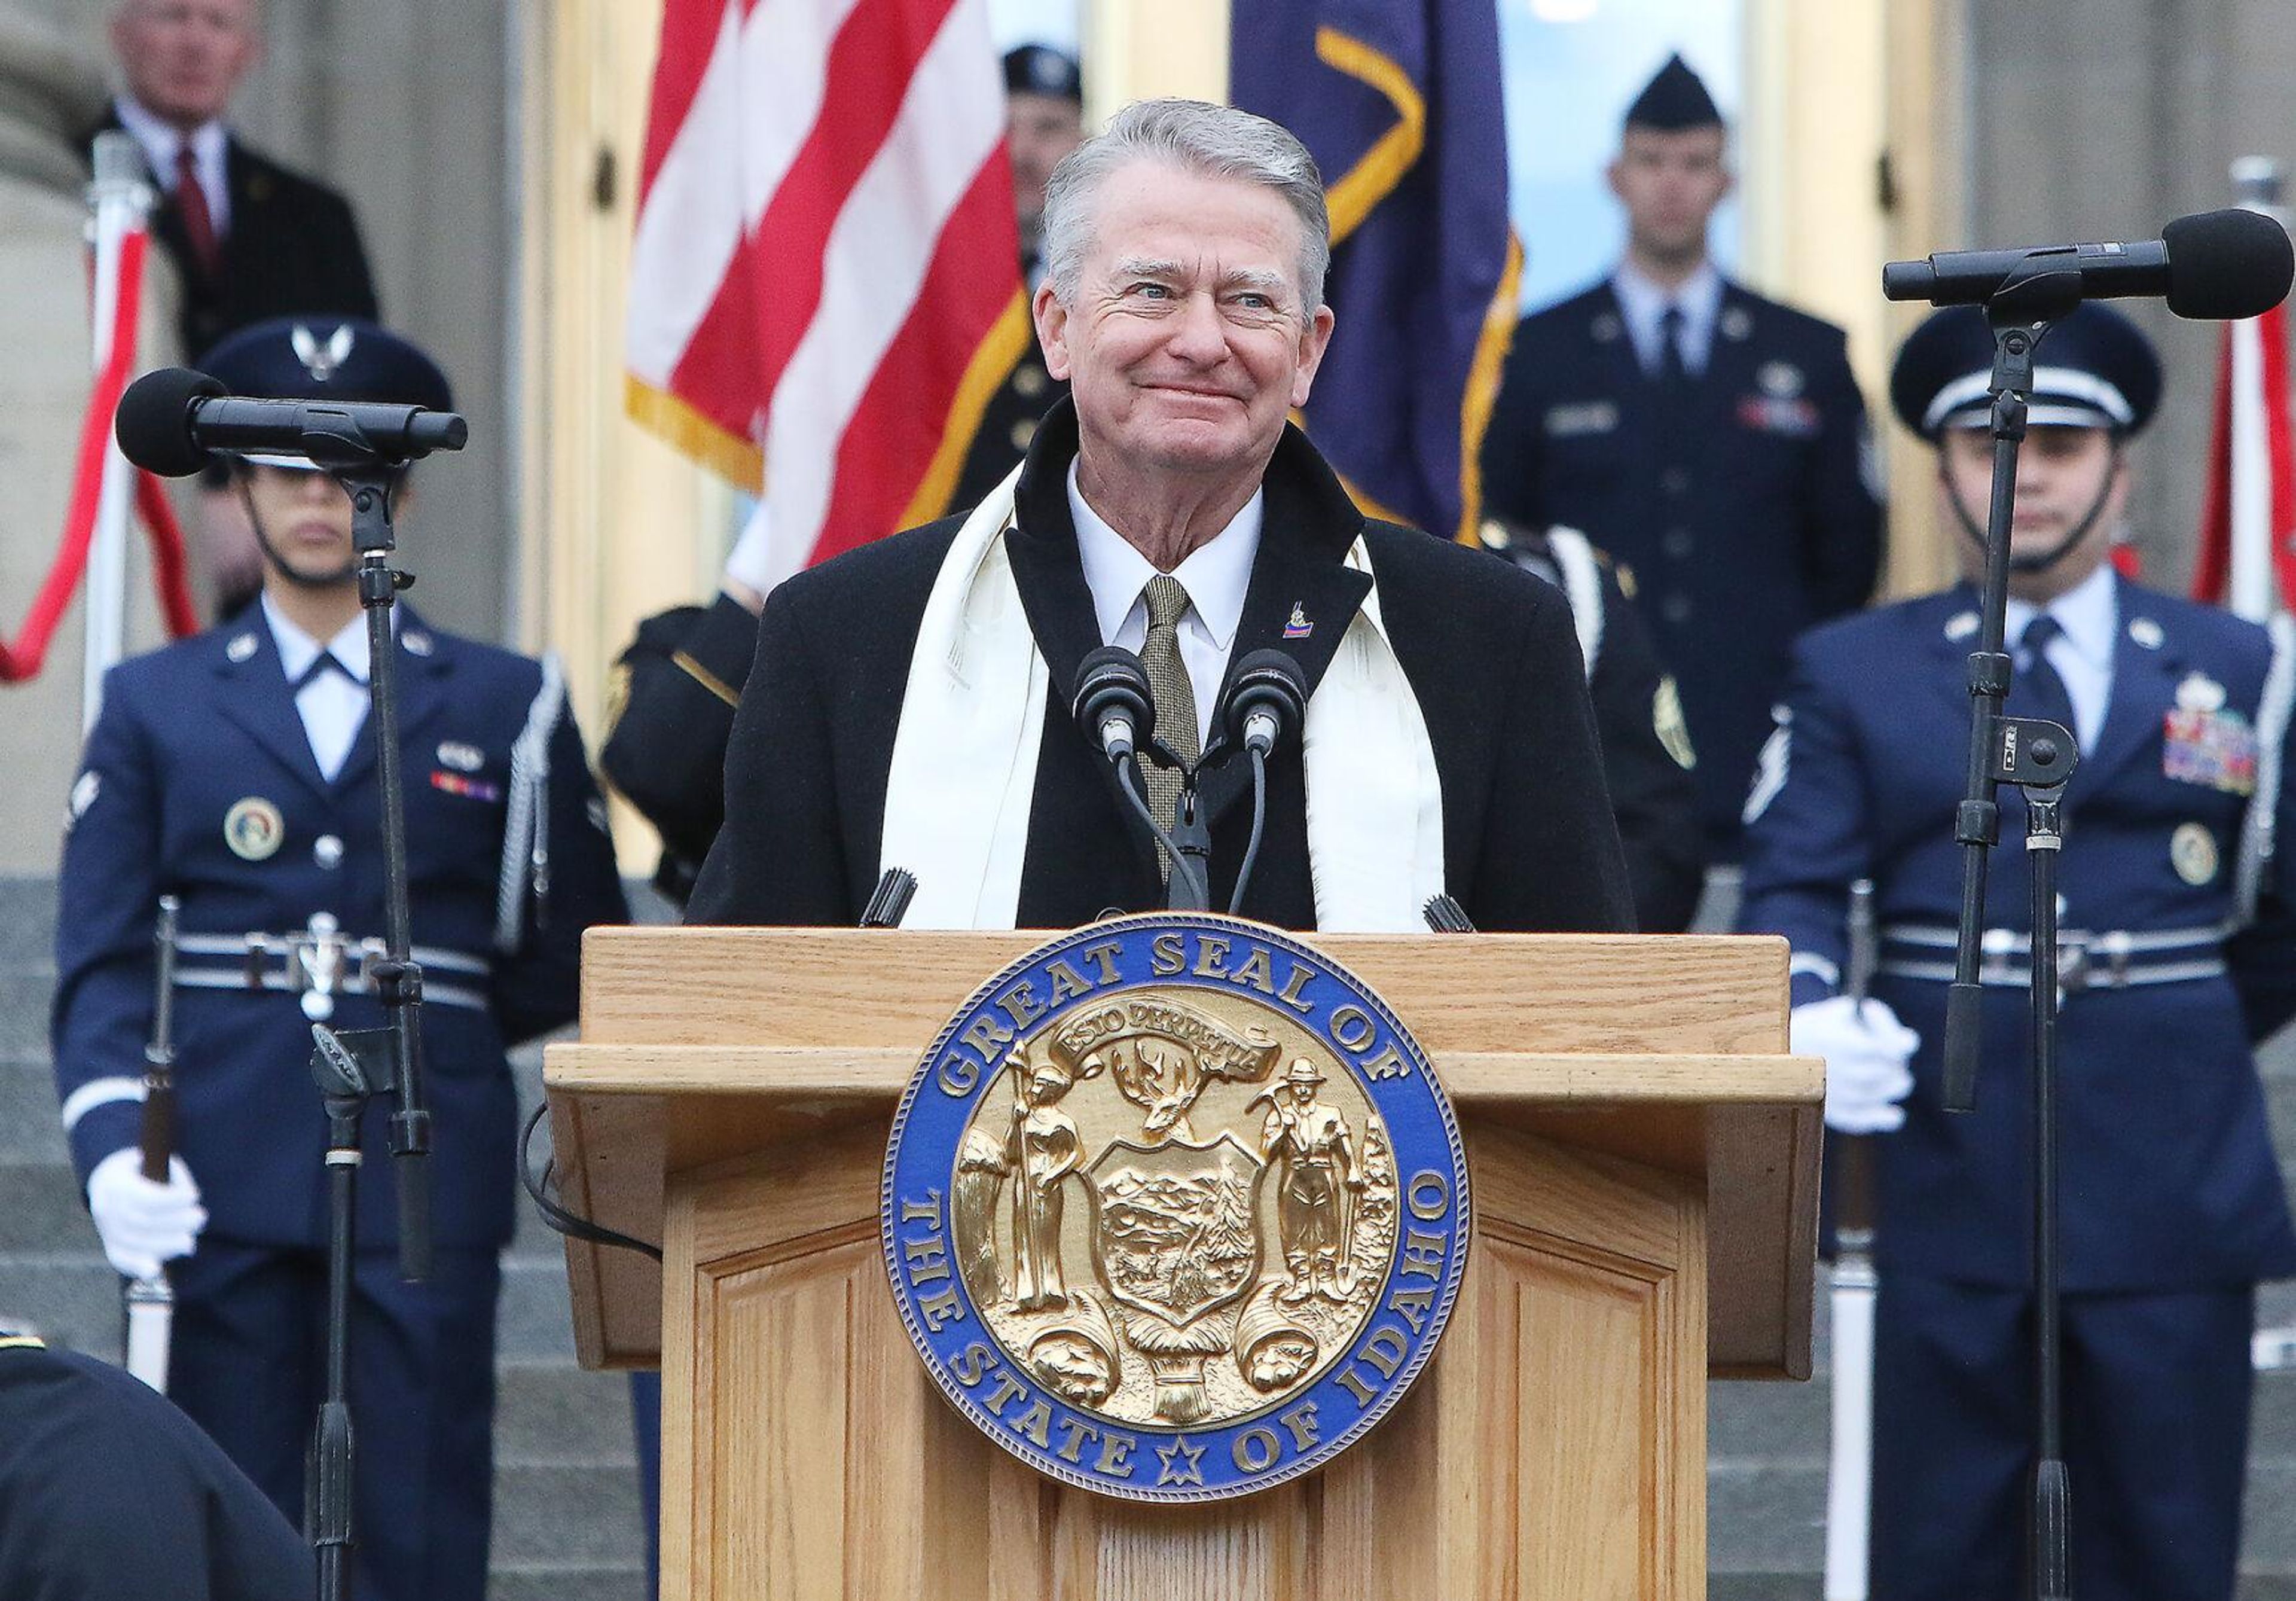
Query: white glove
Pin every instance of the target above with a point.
(143, 1224)
(1865, 1050)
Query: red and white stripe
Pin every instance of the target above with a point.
(825, 263)
(2248, 523)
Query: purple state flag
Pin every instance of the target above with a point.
(1399, 101)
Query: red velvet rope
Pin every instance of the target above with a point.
(22, 659)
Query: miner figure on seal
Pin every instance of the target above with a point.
(1313, 1151)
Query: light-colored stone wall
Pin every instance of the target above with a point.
(48, 85)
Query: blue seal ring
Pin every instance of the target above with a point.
(1052, 998)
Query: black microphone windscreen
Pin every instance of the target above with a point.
(2224, 266)
(1112, 678)
(153, 423)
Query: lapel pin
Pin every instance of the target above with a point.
(242, 646)
(253, 828)
(1298, 627)
(2200, 692)
(2145, 632)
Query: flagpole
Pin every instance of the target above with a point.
(2251, 589)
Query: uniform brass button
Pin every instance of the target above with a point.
(1022, 432)
(1028, 381)
(327, 851)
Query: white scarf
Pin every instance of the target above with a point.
(965, 758)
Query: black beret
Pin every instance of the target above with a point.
(2093, 369)
(1041, 69)
(1674, 101)
(327, 358)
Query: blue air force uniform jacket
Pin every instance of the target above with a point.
(2169, 1181)
(1737, 523)
(199, 782)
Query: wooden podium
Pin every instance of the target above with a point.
(1645, 1162)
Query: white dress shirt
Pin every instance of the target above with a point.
(1215, 575)
(1644, 303)
(2090, 613)
(159, 141)
(332, 705)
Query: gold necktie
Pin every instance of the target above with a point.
(1175, 697)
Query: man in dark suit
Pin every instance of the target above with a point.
(912, 698)
(1711, 441)
(249, 238)
(2174, 954)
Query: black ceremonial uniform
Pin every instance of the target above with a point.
(1647, 756)
(1743, 520)
(107, 1492)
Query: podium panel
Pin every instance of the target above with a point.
(1644, 1161)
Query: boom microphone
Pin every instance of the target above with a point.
(2217, 265)
(170, 419)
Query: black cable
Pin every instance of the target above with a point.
(1128, 779)
(561, 1219)
(1259, 825)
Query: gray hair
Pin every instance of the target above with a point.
(1191, 136)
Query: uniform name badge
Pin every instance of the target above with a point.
(2215, 748)
(1174, 1209)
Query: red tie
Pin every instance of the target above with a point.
(199, 222)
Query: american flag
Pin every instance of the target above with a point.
(824, 284)
(2248, 521)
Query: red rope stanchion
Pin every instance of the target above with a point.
(22, 659)
(170, 572)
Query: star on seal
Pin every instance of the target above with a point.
(1179, 1463)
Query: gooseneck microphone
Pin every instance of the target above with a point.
(1117, 710)
(171, 420)
(2222, 264)
(1266, 703)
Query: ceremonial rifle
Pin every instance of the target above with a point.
(1855, 1285)
(151, 1302)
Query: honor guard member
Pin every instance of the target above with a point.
(1711, 441)
(106, 1491)
(2176, 959)
(236, 771)
(1647, 756)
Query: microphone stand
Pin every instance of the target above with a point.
(348, 1067)
(398, 977)
(2038, 756)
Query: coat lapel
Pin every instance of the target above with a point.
(2144, 686)
(255, 696)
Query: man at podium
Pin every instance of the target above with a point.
(912, 700)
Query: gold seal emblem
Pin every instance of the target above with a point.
(1177, 1190)
(254, 829)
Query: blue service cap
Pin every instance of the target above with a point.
(1041, 69)
(1674, 101)
(327, 358)
(2093, 369)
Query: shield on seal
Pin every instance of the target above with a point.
(1174, 1226)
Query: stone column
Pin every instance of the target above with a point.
(50, 91)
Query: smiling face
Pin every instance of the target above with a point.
(1187, 339)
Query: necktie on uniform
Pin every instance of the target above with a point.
(324, 663)
(1174, 695)
(1672, 370)
(192, 205)
(2037, 690)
